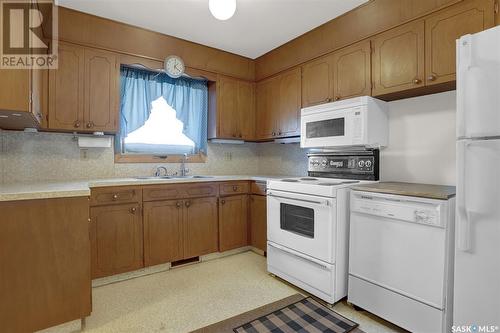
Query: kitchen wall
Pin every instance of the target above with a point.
(421, 140)
(421, 149)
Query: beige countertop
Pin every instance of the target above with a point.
(440, 192)
(47, 190)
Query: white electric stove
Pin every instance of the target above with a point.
(308, 221)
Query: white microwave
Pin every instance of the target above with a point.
(360, 121)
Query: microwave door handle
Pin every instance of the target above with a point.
(323, 202)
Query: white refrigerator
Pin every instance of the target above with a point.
(477, 244)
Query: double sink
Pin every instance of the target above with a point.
(173, 177)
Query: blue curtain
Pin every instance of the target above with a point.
(188, 97)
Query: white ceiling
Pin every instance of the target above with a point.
(257, 27)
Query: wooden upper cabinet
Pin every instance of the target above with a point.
(246, 107)
(162, 232)
(116, 239)
(101, 90)
(265, 118)
(83, 91)
(278, 105)
(233, 222)
(352, 71)
(289, 103)
(317, 82)
(66, 89)
(444, 28)
(200, 227)
(235, 109)
(398, 59)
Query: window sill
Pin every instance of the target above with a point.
(130, 158)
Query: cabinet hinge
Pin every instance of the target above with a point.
(496, 8)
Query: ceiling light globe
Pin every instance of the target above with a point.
(222, 9)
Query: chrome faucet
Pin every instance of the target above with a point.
(158, 171)
(184, 171)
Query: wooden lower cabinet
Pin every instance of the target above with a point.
(44, 263)
(200, 227)
(179, 229)
(162, 232)
(258, 221)
(116, 239)
(233, 222)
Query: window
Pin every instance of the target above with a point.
(161, 116)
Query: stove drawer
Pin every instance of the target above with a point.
(307, 273)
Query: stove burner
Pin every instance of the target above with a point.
(329, 184)
(308, 178)
(290, 180)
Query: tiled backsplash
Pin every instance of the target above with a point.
(36, 157)
(421, 149)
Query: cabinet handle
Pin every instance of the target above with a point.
(76, 124)
(417, 81)
(431, 77)
(240, 135)
(90, 124)
(133, 210)
(187, 203)
(223, 201)
(279, 133)
(115, 197)
(337, 98)
(235, 188)
(178, 204)
(274, 133)
(327, 99)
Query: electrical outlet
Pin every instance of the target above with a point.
(228, 156)
(84, 154)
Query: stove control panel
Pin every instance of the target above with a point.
(317, 163)
(356, 165)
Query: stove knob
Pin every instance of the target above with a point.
(361, 164)
(368, 164)
(324, 163)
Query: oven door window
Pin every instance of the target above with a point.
(325, 128)
(297, 219)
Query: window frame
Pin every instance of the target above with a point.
(201, 157)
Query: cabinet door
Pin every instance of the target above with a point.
(289, 103)
(444, 28)
(398, 59)
(266, 108)
(116, 239)
(66, 89)
(317, 87)
(200, 226)
(233, 226)
(101, 91)
(162, 231)
(352, 71)
(258, 221)
(14, 89)
(246, 110)
(227, 107)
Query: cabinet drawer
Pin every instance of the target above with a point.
(258, 188)
(179, 191)
(233, 188)
(112, 195)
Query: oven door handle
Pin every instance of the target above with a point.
(317, 202)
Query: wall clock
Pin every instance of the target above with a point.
(174, 66)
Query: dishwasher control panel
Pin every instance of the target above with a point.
(399, 209)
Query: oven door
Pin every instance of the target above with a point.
(332, 128)
(303, 223)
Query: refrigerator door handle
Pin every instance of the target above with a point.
(466, 44)
(463, 215)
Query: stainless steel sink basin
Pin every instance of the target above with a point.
(153, 177)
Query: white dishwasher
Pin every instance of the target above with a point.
(401, 259)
